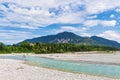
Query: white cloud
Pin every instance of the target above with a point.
(110, 34)
(69, 28)
(85, 34)
(117, 10)
(39, 15)
(92, 17)
(109, 23)
(112, 16)
(70, 18)
(2, 7)
(78, 30)
(37, 12)
(33, 14)
(95, 6)
(31, 11)
(12, 36)
(91, 23)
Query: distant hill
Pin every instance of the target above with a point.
(69, 37)
(106, 42)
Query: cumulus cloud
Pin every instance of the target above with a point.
(110, 34)
(92, 17)
(40, 13)
(35, 14)
(117, 10)
(108, 23)
(95, 6)
(69, 28)
(78, 30)
(112, 16)
(91, 23)
(12, 36)
(85, 34)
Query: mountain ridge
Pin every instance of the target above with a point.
(69, 37)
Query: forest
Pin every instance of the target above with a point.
(39, 48)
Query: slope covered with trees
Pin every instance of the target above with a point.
(69, 37)
(26, 47)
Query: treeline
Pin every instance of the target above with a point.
(37, 48)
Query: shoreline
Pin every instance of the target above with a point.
(73, 57)
(83, 57)
(31, 69)
(98, 58)
(27, 72)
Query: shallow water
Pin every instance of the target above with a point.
(88, 68)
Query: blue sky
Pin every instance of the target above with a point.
(25, 19)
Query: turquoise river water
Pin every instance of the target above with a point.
(77, 67)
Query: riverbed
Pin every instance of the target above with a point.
(16, 69)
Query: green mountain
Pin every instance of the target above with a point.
(69, 37)
(105, 42)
